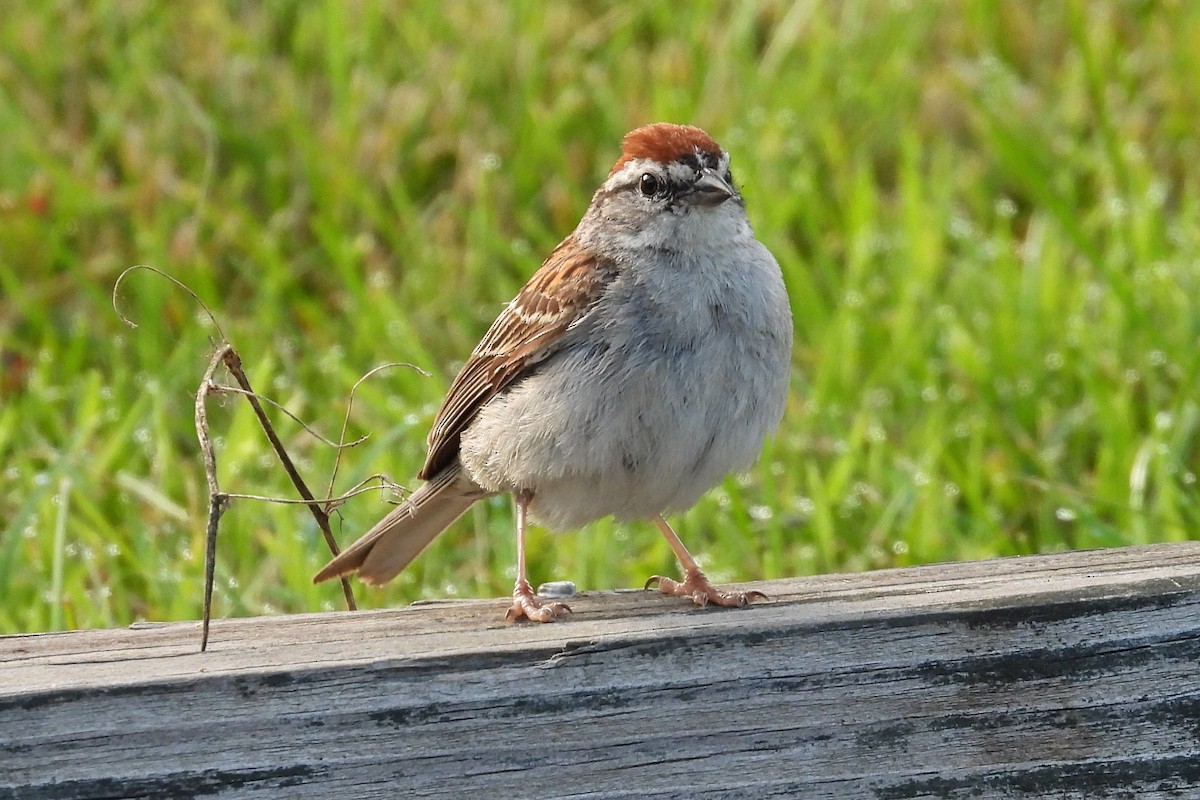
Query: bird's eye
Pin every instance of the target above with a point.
(649, 185)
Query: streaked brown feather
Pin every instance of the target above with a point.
(558, 294)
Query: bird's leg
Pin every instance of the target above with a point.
(526, 604)
(695, 585)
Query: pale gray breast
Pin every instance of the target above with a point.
(650, 400)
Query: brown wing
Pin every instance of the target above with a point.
(558, 294)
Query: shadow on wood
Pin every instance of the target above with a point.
(1071, 676)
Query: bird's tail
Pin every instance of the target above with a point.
(379, 554)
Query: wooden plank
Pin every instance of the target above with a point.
(1067, 676)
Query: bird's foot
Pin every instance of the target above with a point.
(527, 605)
(696, 586)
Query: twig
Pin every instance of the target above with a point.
(220, 389)
(217, 502)
(233, 363)
(337, 460)
(120, 278)
(330, 503)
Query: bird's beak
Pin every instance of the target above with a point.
(710, 189)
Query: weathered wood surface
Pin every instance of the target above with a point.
(1065, 676)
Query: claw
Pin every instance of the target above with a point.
(696, 586)
(527, 605)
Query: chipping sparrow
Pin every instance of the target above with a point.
(647, 358)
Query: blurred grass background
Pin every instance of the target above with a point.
(986, 213)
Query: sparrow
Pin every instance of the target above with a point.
(644, 361)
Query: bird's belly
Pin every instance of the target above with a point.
(595, 433)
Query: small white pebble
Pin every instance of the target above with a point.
(557, 589)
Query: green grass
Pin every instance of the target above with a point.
(987, 215)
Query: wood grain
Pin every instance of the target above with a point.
(1069, 676)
